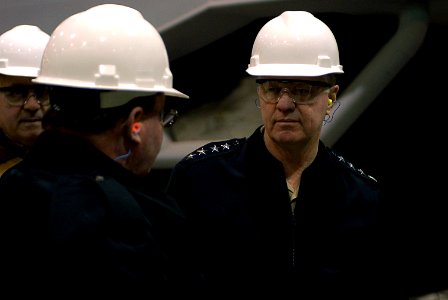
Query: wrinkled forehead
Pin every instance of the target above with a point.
(6, 80)
(328, 78)
(294, 83)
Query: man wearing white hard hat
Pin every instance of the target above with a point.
(22, 104)
(279, 213)
(79, 220)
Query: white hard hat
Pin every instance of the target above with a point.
(21, 50)
(108, 47)
(294, 44)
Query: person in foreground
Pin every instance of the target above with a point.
(76, 219)
(279, 213)
(22, 104)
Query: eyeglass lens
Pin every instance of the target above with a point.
(300, 92)
(168, 118)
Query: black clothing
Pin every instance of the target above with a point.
(10, 149)
(74, 221)
(235, 194)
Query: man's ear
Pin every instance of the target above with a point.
(333, 92)
(134, 125)
(332, 98)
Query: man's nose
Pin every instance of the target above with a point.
(34, 103)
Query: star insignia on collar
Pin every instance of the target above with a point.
(201, 151)
(214, 147)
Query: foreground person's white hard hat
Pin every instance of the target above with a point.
(108, 47)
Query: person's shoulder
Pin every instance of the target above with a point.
(350, 167)
(214, 149)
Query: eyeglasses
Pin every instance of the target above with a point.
(168, 118)
(301, 92)
(18, 95)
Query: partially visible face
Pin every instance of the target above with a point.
(23, 123)
(287, 123)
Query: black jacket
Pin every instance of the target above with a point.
(74, 222)
(235, 194)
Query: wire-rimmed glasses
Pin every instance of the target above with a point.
(19, 94)
(300, 91)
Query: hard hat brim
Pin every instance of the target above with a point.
(299, 70)
(122, 87)
(20, 71)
